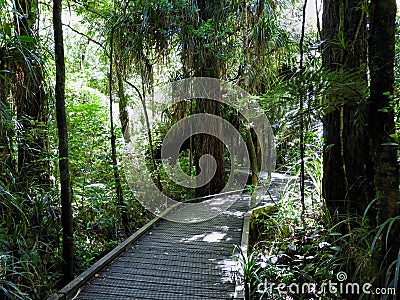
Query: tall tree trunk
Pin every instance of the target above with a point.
(66, 210)
(253, 147)
(381, 114)
(31, 100)
(123, 110)
(254, 158)
(206, 64)
(117, 177)
(346, 149)
(381, 117)
(207, 144)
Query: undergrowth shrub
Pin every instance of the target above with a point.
(299, 249)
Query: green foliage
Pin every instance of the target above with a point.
(290, 248)
(30, 231)
(281, 104)
(249, 266)
(152, 39)
(29, 234)
(96, 213)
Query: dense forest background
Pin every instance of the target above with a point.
(72, 75)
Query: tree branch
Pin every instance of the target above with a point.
(86, 36)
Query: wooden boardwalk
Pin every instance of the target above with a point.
(173, 261)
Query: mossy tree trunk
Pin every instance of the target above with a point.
(123, 107)
(200, 60)
(346, 158)
(113, 139)
(380, 111)
(381, 125)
